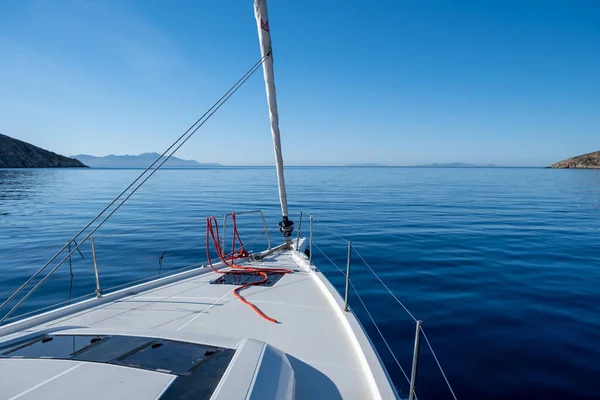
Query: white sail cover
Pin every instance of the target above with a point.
(264, 35)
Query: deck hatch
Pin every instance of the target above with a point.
(179, 358)
(198, 368)
(203, 380)
(113, 348)
(166, 356)
(245, 278)
(51, 346)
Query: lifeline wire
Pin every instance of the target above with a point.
(377, 327)
(438, 363)
(370, 316)
(384, 285)
(327, 257)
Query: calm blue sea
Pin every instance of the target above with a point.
(501, 264)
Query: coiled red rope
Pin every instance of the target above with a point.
(212, 231)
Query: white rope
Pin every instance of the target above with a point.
(384, 285)
(438, 363)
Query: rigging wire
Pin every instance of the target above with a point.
(182, 139)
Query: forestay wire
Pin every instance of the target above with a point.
(165, 156)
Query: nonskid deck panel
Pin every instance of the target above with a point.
(313, 332)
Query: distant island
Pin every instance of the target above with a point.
(584, 161)
(15, 153)
(457, 165)
(139, 161)
(434, 165)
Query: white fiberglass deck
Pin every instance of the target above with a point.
(330, 355)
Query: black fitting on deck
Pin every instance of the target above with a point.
(286, 227)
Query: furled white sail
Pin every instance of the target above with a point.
(264, 35)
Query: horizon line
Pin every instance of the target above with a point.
(323, 166)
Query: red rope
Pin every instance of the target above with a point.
(212, 231)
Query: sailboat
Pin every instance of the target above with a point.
(267, 325)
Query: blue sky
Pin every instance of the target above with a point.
(393, 82)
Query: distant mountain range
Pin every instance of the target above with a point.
(584, 161)
(434, 165)
(456, 165)
(15, 153)
(366, 165)
(139, 161)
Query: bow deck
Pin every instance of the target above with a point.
(330, 355)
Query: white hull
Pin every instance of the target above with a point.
(325, 353)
